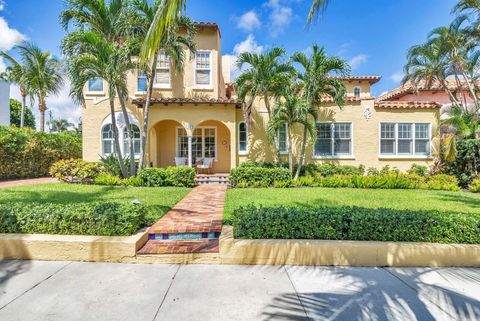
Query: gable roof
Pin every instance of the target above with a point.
(410, 88)
(370, 79)
(407, 105)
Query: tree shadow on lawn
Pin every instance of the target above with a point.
(471, 201)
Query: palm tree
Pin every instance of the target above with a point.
(173, 44)
(316, 82)
(265, 78)
(110, 20)
(60, 125)
(318, 7)
(43, 75)
(97, 58)
(16, 74)
(290, 111)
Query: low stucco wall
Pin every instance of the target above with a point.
(345, 253)
(70, 248)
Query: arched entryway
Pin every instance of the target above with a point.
(211, 138)
(163, 143)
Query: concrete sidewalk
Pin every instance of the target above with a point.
(33, 290)
(26, 182)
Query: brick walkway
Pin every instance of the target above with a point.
(201, 211)
(25, 182)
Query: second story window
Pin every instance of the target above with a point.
(141, 82)
(95, 84)
(163, 70)
(357, 91)
(203, 71)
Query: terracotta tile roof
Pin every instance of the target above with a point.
(407, 104)
(206, 24)
(195, 101)
(371, 79)
(410, 88)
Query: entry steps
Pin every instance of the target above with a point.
(219, 179)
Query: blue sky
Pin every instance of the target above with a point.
(373, 35)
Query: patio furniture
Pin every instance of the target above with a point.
(207, 165)
(180, 161)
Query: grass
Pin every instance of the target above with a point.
(158, 200)
(368, 198)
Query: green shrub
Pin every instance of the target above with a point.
(419, 170)
(133, 181)
(153, 177)
(172, 176)
(109, 180)
(355, 223)
(474, 186)
(75, 170)
(107, 219)
(180, 176)
(372, 171)
(259, 176)
(466, 166)
(442, 182)
(25, 153)
(326, 170)
(264, 164)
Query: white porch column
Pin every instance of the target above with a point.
(190, 151)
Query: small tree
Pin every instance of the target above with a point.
(15, 115)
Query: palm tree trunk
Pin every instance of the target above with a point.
(128, 126)
(24, 103)
(460, 87)
(146, 111)
(290, 152)
(42, 108)
(470, 88)
(302, 153)
(275, 138)
(118, 151)
(453, 100)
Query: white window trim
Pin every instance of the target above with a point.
(164, 86)
(244, 152)
(350, 156)
(360, 89)
(95, 92)
(197, 86)
(102, 141)
(203, 140)
(404, 156)
(287, 141)
(120, 129)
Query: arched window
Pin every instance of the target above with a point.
(108, 145)
(136, 140)
(357, 91)
(242, 137)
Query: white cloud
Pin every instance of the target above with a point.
(280, 16)
(248, 45)
(249, 21)
(397, 77)
(10, 37)
(358, 60)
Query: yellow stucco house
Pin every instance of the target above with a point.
(195, 116)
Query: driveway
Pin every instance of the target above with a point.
(34, 290)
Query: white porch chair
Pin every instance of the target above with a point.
(180, 161)
(206, 166)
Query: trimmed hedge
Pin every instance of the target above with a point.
(104, 219)
(355, 223)
(258, 176)
(25, 153)
(171, 176)
(466, 166)
(76, 171)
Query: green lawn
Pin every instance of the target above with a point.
(370, 198)
(158, 200)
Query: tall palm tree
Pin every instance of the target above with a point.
(98, 59)
(110, 20)
(290, 111)
(318, 7)
(173, 43)
(316, 82)
(43, 73)
(15, 73)
(266, 76)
